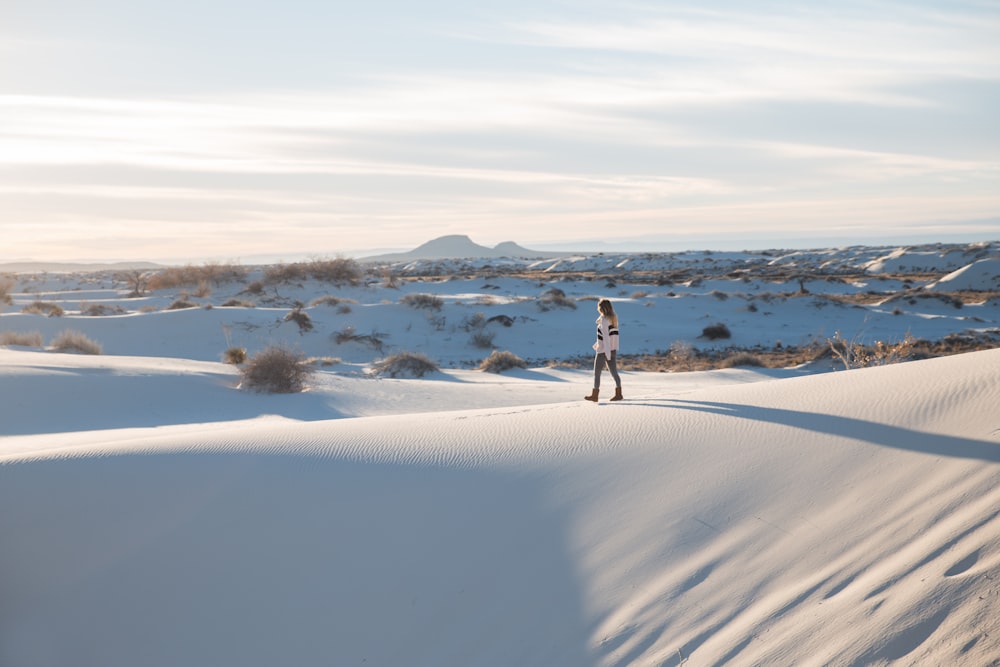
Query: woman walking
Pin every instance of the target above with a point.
(606, 348)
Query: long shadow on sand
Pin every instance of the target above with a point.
(860, 429)
(259, 560)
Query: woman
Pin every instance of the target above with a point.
(606, 348)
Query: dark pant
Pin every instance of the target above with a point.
(600, 361)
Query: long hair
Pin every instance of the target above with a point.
(608, 312)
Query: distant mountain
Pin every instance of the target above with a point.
(460, 246)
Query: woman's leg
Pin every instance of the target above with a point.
(599, 361)
(613, 367)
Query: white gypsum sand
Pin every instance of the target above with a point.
(845, 518)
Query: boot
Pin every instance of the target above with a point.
(592, 397)
(618, 394)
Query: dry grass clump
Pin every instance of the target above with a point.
(74, 341)
(181, 304)
(23, 338)
(555, 298)
(198, 276)
(717, 331)
(6, 287)
(374, 340)
(276, 370)
(286, 273)
(43, 308)
(301, 318)
(235, 355)
(405, 365)
(854, 354)
(330, 300)
(338, 271)
(742, 360)
(423, 301)
(100, 309)
(482, 339)
(502, 360)
(238, 303)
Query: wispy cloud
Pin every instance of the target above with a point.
(644, 115)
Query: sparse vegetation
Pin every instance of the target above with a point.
(330, 300)
(6, 287)
(235, 355)
(742, 360)
(100, 309)
(405, 365)
(276, 370)
(339, 271)
(374, 340)
(182, 303)
(854, 354)
(717, 331)
(483, 339)
(44, 308)
(200, 277)
(423, 301)
(555, 298)
(301, 318)
(74, 341)
(22, 338)
(239, 303)
(502, 360)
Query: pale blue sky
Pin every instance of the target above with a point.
(197, 129)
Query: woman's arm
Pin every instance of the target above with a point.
(604, 345)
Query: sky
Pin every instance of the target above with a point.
(197, 130)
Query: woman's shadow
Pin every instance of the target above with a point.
(886, 435)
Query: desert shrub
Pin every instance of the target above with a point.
(74, 341)
(6, 287)
(235, 355)
(276, 370)
(406, 365)
(137, 280)
(286, 273)
(301, 318)
(854, 354)
(742, 359)
(423, 301)
(720, 295)
(339, 270)
(717, 331)
(374, 340)
(24, 338)
(325, 361)
(682, 354)
(182, 303)
(555, 298)
(203, 291)
(500, 361)
(256, 287)
(474, 323)
(173, 277)
(483, 339)
(43, 308)
(328, 300)
(239, 303)
(100, 309)
(639, 295)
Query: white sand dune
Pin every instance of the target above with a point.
(847, 518)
